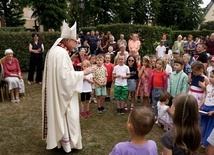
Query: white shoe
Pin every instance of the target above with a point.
(17, 100)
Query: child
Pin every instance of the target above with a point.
(185, 136)
(187, 67)
(153, 61)
(168, 67)
(207, 105)
(111, 52)
(143, 85)
(178, 81)
(211, 67)
(86, 90)
(140, 123)
(157, 82)
(93, 64)
(78, 61)
(210, 139)
(160, 50)
(121, 73)
(132, 80)
(198, 81)
(100, 79)
(109, 67)
(164, 111)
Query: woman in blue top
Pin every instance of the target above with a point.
(36, 49)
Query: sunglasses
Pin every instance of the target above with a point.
(131, 60)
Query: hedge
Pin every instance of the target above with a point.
(19, 41)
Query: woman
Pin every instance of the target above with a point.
(134, 45)
(36, 49)
(12, 75)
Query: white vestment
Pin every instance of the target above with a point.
(60, 105)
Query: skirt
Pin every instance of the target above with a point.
(13, 82)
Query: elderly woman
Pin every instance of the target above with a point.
(12, 75)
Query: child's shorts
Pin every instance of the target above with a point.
(85, 96)
(120, 92)
(100, 91)
(131, 85)
(108, 85)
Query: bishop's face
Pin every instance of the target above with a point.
(72, 43)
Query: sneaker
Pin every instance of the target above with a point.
(107, 99)
(102, 109)
(17, 100)
(95, 100)
(122, 111)
(113, 100)
(99, 111)
(83, 115)
(126, 108)
(131, 108)
(88, 113)
(13, 101)
(118, 111)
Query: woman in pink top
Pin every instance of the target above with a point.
(12, 75)
(134, 45)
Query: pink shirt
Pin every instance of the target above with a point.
(12, 68)
(134, 45)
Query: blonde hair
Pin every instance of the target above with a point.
(187, 56)
(86, 62)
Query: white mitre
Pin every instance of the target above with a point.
(66, 32)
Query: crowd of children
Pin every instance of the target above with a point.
(178, 88)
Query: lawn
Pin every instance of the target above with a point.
(21, 128)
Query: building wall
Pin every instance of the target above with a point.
(30, 22)
(210, 14)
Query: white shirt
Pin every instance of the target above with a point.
(123, 71)
(160, 51)
(209, 69)
(87, 86)
(209, 101)
(163, 114)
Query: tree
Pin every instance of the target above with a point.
(207, 26)
(12, 12)
(50, 13)
(184, 15)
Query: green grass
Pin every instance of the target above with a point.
(21, 128)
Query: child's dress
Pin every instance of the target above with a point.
(195, 90)
(207, 122)
(163, 116)
(143, 85)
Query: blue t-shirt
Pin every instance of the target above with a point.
(127, 148)
(196, 79)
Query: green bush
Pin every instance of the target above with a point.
(203, 33)
(19, 43)
(13, 29)
(149, 36)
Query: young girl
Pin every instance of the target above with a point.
(93, 64)
(132, 80)
(143, 85)
(109, 67)
(198, 81)
(78, 61)
(211, 67)
(185, 137)
(164, 111)
(86, 91)
(158, 82)
(207, 122)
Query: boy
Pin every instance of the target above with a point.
(121, 72)
(178, 81)
(100, 79)
(140, 123)
(160, 50)
(201, 55)
(109, 67)
(187, 67)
